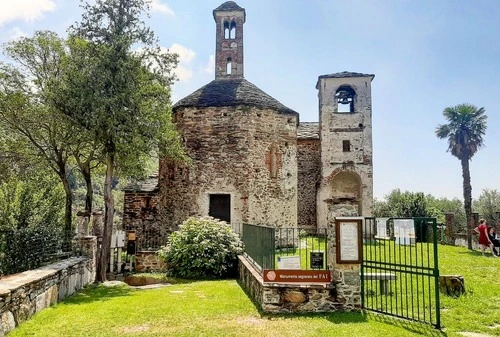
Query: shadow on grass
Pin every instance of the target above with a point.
(99, 293)
(412, 326)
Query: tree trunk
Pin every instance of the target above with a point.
(467, 199)
(68, 211)
(108, 217)
(85, 168)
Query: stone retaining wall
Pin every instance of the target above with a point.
(149, 261)
(288, 298)
(24, 294)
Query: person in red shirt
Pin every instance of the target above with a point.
(484, 240)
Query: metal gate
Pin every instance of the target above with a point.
(399, 273)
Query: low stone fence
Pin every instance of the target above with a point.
(300, 298)
(24, 294)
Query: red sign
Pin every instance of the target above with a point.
(297, 276)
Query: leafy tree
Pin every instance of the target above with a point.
(120, 95)
(487, 205)
(30, 128)
(465, 130)
(33, 129)
(403, 204)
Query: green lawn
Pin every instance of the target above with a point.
(221, 308)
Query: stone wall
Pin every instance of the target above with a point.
(24, 294)
(248, 153)
(308, 160)
(140, 213)
(299, 298)
(148, 261)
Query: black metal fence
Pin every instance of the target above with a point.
(399, 273)
(283, 248)
(29, 248)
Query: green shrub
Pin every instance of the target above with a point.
(203, 248)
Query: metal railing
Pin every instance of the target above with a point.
(271, 248)
(29, 248)
(259, 244)
(399, 273)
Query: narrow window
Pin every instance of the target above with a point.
(226, 30)
(346, 146)
(345, 99)
(232, 33)
(229, 66)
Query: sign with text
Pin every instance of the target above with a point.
(382, 228)
(289, 262)
(404, 231)
(348, 240)
(317, 260)
(297, 276)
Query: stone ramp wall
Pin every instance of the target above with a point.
(295, 298)
(24, 294)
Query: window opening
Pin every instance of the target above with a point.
(345, 99)
(220, 207)
(232, 32)
(226, 30)
(346, 146)
(229, 66)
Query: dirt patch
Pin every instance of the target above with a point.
(251, 321)
(136, 281)
(133, 329)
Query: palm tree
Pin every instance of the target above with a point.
(465, 130)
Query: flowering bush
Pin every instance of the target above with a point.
(202, 248)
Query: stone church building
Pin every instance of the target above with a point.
(253, 161)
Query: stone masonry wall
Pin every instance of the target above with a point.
(308, 160)
(148, 261)
(24, 294)
(299, 298)
(247, 152)
(140, 213)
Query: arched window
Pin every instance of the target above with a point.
(345, 99)
(232, 33)
(226, 30)
(229, 66)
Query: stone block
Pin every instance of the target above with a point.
(293, 296)
(8, 323)
(452, 285)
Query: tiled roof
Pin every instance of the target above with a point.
(149, 184)
(308, 130)
(229, 6)
(231, 92)
(345, 74)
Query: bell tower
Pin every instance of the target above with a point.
(229, 19)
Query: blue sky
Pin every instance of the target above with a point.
(425, 54)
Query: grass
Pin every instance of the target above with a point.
(221, 308)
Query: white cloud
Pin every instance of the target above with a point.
(186, 56)
(157, 6)
(210, 68)
(27, 10)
